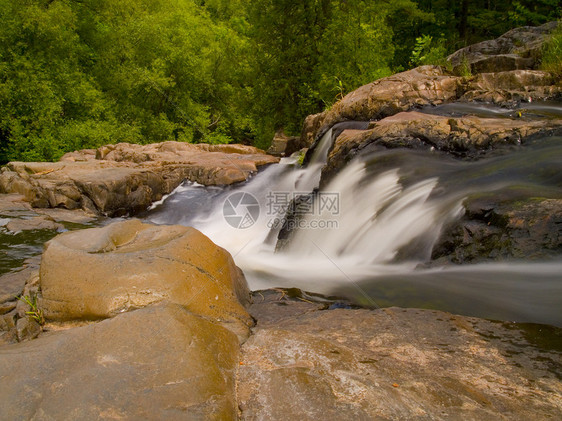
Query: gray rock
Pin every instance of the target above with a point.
(27, 329)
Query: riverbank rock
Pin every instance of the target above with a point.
(161, 362)
(394, 364)
(125, 178)
(101, 272)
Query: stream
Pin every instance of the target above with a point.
(369, 233)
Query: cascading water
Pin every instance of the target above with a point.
(380, 221)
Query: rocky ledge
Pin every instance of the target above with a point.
(125, 179)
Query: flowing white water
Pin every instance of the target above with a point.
(369, 243)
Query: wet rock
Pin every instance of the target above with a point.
(156, 363)
(396, 364)
(35, 223)
(529, 228)
(101, 272)
(517, 49)
(125, 178)
(467, 136)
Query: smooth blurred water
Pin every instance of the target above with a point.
(391, 209)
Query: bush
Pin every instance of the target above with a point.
(552, 53)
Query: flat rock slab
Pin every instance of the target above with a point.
(396, 364)
(156, 363)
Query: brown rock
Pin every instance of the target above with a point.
(512, 86)
(423, 85)
(35, 223)
(126, 178)
(13, 203)
(156, 363)
(464, 136)
(395, 364)
(13, 283)
(283, 145)
(101, 272)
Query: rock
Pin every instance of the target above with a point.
(467, 136)
(396, 364)
(76, 216)
(506, 88)
(13, 203)
(13, 283)
(126, 178)
(283, 145)
(8, 332)
(425, 85)
(495, 229)
(27, 329)
(101, 272)
(156, 363)
(504, 71)
(517, 49)
(35, 223)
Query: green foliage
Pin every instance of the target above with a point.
(80, 74)
(34, 311)
(300, 159)
(428, 51)
(552, 53)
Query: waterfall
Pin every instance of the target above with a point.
(385, 214)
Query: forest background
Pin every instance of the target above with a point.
(78, 74)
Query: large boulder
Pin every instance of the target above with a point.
(161, 362)
(101, 272)
(125, 178)
(393, 364)
(518, 49)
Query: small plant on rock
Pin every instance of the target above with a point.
(34, 312)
